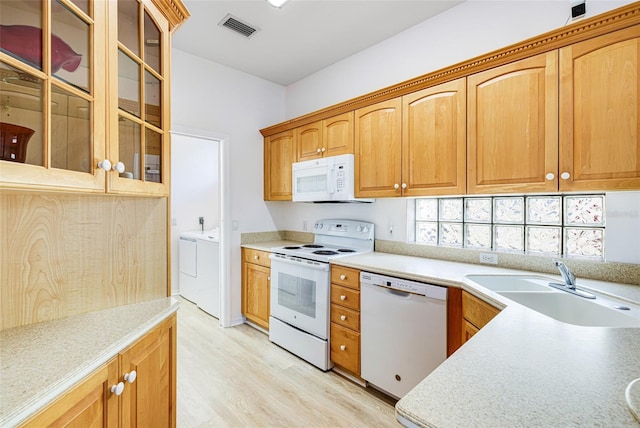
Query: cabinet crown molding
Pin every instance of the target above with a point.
(623, 17)
(174, 10)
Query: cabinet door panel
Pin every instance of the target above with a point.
(337, 134)
(256, 294)
(279, 155)
(90, 404)
(513, 127)
(309, 141)
(600, 112)
(434, 140)
(378, 130)
(149, 401)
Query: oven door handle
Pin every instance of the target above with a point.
(297, 261)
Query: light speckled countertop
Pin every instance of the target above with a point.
(523, 368)
(40, 361)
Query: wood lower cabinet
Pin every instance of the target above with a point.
(345, 318)
(279, 155)
(476, 313)
(148, 401)
(512, 127)
(600, 113)
(256, 286)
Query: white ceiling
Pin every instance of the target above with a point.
(302, 37)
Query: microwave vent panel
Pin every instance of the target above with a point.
(239, 26)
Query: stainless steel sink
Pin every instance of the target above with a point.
(534, 292)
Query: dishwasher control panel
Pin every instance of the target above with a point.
(408, 286)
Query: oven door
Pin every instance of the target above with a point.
(300, 293)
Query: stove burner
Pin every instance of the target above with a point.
(346, 250)
(325, 252)
(312, 246)
(291, 248)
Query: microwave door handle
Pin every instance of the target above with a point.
(331, 178)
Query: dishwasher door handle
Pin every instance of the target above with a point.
(398, 293)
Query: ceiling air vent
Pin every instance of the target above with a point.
(237, 25)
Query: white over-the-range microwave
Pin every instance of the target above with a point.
(329, 179)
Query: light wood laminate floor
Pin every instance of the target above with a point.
(235, 377)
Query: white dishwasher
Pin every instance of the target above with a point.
(403, 331)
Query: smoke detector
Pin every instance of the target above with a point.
(238, 25)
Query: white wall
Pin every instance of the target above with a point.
(195, 191)
(214, 98)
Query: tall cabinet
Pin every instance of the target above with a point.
(89, 110)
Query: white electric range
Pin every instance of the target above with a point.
(300, 287)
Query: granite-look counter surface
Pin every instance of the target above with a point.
(40, 361)
(523, 368)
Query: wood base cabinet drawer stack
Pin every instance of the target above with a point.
(476, 314)
(256, 283)
(345, 318)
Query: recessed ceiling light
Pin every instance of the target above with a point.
(277, 3)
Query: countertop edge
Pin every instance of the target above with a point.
(31, 407)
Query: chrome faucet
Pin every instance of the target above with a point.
(569, 282)
(567, 275)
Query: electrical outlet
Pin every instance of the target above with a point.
(489, 258)
(234, 225)
(305, 224)
(174, 221)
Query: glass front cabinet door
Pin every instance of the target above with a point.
(84, 90)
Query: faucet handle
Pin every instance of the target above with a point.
(567, 275)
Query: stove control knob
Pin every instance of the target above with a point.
(359, 228)
(320, 225)
(365, 229)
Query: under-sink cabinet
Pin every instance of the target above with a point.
(476, 313)
(256, 284)
(345, 318)
(136, 388)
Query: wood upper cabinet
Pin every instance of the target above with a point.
(600, 113)
(434, 140)
(378, 149)
(512, 127)
(279, 155)
(84, 105)
(256, 286)
(328, 137)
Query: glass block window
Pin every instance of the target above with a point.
(572, 225)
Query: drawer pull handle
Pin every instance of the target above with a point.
(343, 317)
(343, 347)
(343, 297)
(343, 277)
(117, 389)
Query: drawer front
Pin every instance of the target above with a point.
(256, 257)
(345, 348)
(346, 277)
(345, 317)
(476, 311)
(347, 297)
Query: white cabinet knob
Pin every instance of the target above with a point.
(343, 297)
(318, 151)
(119, 166)
(323, 150)
(550, 176)
(105, 164)
(396, 186)
(117, 389)
(256, 257)
(269, 278)
(343, 277)
(565, 175)
(343, 317)
(404, 185)
(342, 347)
(131, 376)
